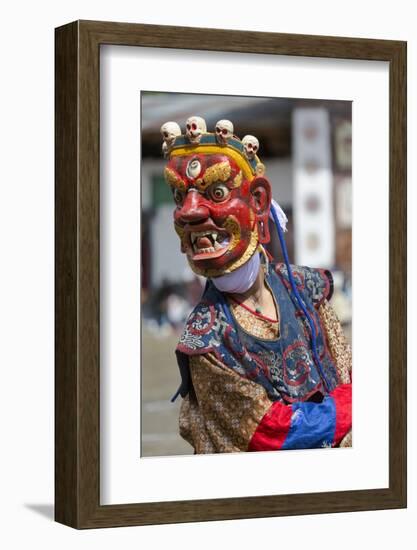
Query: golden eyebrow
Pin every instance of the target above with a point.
(218, 172)
(238, 179)
(173, 179)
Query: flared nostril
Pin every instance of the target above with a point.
(193, 210)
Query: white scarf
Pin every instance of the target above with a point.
(241, 279)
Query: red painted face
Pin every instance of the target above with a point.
(220, 216)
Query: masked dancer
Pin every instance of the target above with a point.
(263, 359)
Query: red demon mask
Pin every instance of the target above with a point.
(222, 209)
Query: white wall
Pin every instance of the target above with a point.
(26, 274)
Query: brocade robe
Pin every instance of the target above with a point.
(252, 384)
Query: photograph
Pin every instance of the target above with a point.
(246, 273)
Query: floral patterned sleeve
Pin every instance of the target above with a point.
(336, 341)
(222, 410)
(340, 351)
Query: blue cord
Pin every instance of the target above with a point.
(225, 308)
(298, 298)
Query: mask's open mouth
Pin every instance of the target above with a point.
(207, 244)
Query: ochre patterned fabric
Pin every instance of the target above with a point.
(256, 325)
(336, 341)
(222, 411)
(347, 440)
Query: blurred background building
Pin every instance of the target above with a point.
(306, 148)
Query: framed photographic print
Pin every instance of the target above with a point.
(230, 274)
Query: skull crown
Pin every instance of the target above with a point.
(223, 135)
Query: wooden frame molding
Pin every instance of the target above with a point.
(77, 405)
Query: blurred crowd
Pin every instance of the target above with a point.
(166, 307)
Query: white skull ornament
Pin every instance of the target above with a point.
(224, 131)
(169, 131)
(195, 127)
(251, 146)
